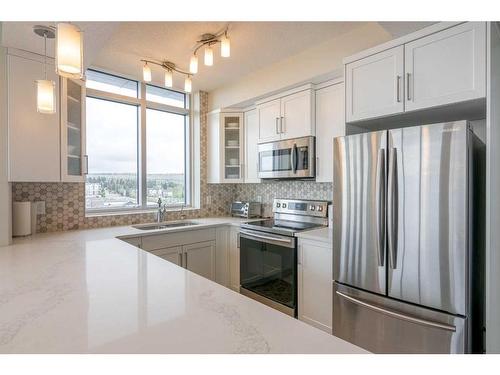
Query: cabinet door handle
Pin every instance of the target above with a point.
(180, 259)
(317, 166)
(398, 88)
(408, 96)
(185, 260)
(282, 125)
(277, 119)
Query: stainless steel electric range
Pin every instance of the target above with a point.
(268, 252)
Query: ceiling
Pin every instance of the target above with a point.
(20, 35)
(118, 47)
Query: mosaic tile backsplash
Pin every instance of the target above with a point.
(65, 202)
(267, 191)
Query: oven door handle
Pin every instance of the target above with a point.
(281, 241)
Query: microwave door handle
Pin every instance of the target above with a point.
(294, 158)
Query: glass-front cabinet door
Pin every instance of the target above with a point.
(73, 157)
(232, 135)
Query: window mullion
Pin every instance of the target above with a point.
(142, 143)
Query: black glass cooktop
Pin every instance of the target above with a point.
(288, 226)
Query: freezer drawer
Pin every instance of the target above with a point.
(383, 325)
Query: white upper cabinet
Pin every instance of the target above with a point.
(34, 154)
(430, 68)
(374, 85)
(288, 116)
(446, 67)
(329, 124)
(251, 125)
(297, 115)
(225, 138)
(73, 158)
(269, 120)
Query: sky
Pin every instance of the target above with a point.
(112, 130)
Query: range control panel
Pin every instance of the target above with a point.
(301, 207)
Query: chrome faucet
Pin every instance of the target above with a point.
(161, 214)
(183, 216)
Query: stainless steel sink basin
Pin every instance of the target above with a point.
(164, 225)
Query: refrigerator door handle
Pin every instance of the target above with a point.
(380, 205)
(392, 208)
(398, 315)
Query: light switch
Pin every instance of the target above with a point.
(40, 207)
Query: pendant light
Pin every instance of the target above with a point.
(225, 46)
(45, 88)
(146, 73)
(168, 78)
(209, 55)
(69, 51)
(193, 64)
(188, 84)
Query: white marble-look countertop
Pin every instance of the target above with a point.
(322, 234)
(88, 292)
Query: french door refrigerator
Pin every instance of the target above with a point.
(408, 243)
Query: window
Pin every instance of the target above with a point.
(111, 83)
(126, 170)
(165, 145)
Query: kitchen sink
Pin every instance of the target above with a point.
(164, 225)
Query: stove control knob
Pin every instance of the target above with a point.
(312, 208)
(320, 208)
(283, 205)
(278, 204)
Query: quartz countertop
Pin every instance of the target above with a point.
(322, 234)
(88, 292)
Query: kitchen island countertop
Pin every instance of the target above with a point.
(88, 292)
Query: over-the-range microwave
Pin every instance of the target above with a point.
(290, 158)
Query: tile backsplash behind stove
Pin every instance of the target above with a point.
(266, 191)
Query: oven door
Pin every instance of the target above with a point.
(292, 158)
(268, 269)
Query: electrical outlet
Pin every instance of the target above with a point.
(209, 199)
(40, 207)
(258, 199)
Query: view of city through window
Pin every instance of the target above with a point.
(113, 178)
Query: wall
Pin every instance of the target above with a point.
(65, 202)
(319, 60)
(5, 197)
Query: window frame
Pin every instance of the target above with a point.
(142, 104)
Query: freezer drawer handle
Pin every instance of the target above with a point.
(397, 315)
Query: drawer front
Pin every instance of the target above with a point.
(160, 241)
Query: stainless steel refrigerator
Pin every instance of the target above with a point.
(408, 239)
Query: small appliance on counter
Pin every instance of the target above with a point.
(268, 252)
(246, 209)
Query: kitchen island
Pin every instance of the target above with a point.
(88, 292)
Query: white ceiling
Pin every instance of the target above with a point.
(20, 35)
(253, 45)
(118, 47)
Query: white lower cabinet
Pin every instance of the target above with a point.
(200, 258)
(315, 300)
(172, 254)
(234, 259)
(193, 249)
